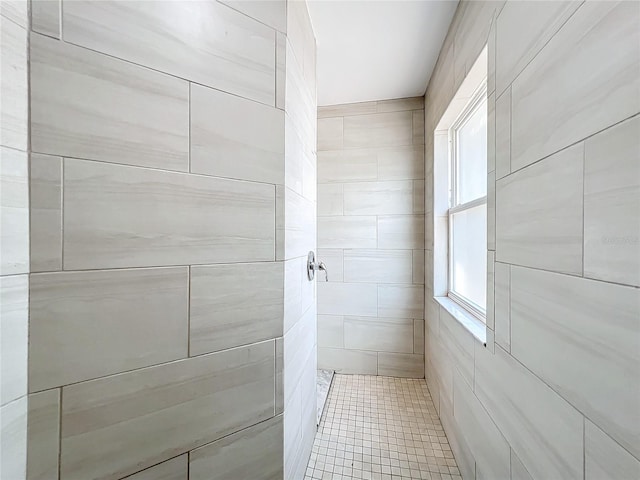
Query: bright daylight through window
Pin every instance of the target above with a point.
(468, 206)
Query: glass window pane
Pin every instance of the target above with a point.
(469, 255)
(472, 156)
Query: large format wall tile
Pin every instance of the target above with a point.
(46, 213)
(245, 140)
(523, 29)
(295, 224)
(348, 361)
(175, 469)
(45, 17)
(489, 448)
(348, 299)
(401, 163)
(549, 106)
(235, 305)
(378, 334)
(255, 452)
(330, 199)
(459, 343)
(77, 320)
(347, 232)
(347, 165)
(400, 301)
(401, 231)
(379, 130)
(13, 438)
(378, 198)
(270, 12)
(401, 365)
(202, 399)
(514, 397)
(330, 133)
(14, 332)
(604, 458)
(88, 105)
(502, 305)
(117, 216)
(378, 266)
(14, 113)
(43, 435)
(14, 212)
(612, 204)
(602, 322)
(331, 331)
(539, 214)
(205, 42)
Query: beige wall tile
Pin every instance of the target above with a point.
(459, 343)
(334, 261)
(418, 126)
(547, 309)
(347, 165)
(117, 216)
(347, 109)
(400, 104)
(379, 130)
(16, 10)
(295, 224)
(115, 111)
(401, 301)
(270, 12)
(330, 133)
(378, 334)
(400, 163)
(46, 213)
(348, 361)
(418, 337)
(299, 351)
(401, 365)
(245, 140)
(13, 438)
(174, 469)
(523, 29)
(331, 331)
(234, 305)
(503, 134)
(43, 435)
(401, 231)
(378, 266)
(418, 267)
(378, 198)
(604, 458)
(549, 110)
(518, 470)
(514, 397)
(612, 204)
(14, 209)
(347, 232)
(14, 333)
(348, 299)
(241, 62)
(281, 68)
(45, 17)
(330, 199)
(255, 452)
(489, 448)
(539, 214)
(77, 320)
(204, 398)
(503, 305)
(279, 379)
(14, 86)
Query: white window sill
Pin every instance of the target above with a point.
(468, 321)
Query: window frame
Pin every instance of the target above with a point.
(478, 97)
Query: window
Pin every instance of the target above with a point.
(468, 206)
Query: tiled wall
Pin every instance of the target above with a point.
(172, 204)
(371, 237)
(14, 238)
(556, 391)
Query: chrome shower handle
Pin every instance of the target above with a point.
(312, 267)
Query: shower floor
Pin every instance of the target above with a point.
(380, 428)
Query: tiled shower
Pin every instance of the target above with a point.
(165, 171)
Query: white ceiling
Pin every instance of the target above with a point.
(377, 49)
